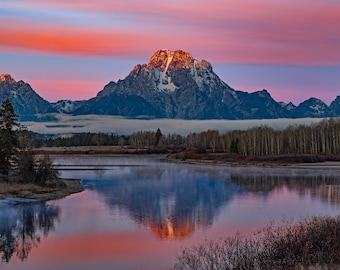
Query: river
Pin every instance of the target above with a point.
(138, 212)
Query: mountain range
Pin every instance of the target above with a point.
(172, 85)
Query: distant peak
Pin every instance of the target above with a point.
(6, 78)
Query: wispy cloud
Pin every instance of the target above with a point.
(289, 32)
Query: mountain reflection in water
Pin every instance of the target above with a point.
(172, 204)
(132, 204)
(21, 224)
(175, 201)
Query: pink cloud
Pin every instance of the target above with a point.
(68, 41)
(219, 30)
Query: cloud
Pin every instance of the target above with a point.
(262, 31)
(69, 41)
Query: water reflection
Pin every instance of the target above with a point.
(145, 195)
(21, 223)
(321, 184)
(173, 201)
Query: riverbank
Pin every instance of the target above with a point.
(31, 191)
(94, 150)
(195, 156)
(296, 160)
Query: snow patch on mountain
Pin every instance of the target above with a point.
(288, 106)
(197, 78)
(318, 108)
(170, 57)
(163, 80)
(67, 106)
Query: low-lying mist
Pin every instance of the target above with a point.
(64, 124)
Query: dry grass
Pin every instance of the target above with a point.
(236, 159)
(310, 244)
(32, 191)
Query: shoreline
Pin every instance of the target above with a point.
(195, 157)
(95, 150)
(292, 161)
(326, 165)
(43, 194)
(31, 191)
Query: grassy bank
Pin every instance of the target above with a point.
(310, 244)
(32, 191)
(95, 150)
(265, 160)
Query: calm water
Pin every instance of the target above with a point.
(139, 212)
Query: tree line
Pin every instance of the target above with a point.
(80, 139)
(319, 138)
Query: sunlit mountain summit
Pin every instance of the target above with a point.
(172, 85)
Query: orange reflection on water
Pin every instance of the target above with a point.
(174, 230)
(95, 247)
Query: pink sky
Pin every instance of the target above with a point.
(253, 33)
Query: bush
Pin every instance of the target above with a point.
(40, 171)
(26, 165)
(310, 244)
(45, 174)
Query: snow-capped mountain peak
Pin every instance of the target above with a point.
(163, 79)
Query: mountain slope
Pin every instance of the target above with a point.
(312, 107)
(171, 85)
(175, 85)
(258, 105)
(334, 108)
(26, 103)
(67, 106)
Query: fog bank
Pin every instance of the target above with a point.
(65, 124)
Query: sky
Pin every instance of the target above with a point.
(71, 49)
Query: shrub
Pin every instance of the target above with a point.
(37, 171)
(312, 243)
(45, 174)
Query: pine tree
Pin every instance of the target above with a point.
(8, 136)
(158, 137)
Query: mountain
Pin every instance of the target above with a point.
(26, 103)
(172, 85)
(67, 106)
(258, 105)
(312, 107)
(334, 108)
(175, 85)
(287, 106)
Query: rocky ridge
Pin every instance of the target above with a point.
(173, 84)
(27, 104)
